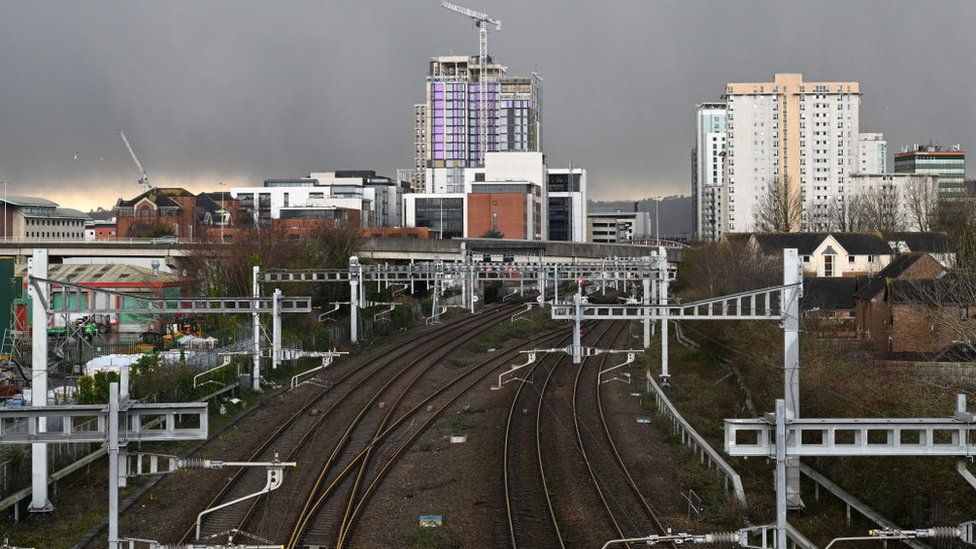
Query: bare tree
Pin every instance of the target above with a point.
(921, 203)
(779, 208)
(879, 211)
(958, 219)
(847, 216)
(726, 267)
(948, 305)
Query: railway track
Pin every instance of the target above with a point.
(303, 429)
(628, 511)
(334, 512)
(547, 505)
(529, 509)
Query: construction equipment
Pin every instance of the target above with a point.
(144, 180)
(481, 22)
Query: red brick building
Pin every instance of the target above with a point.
(907, 308)
(513, 209)
(174, 211)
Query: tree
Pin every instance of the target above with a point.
(958, 219)
(879, 211)
(847, 216)
(948, 305)
(921, 203)
(779, 208)
(726, 267)
(492, 233)
(94, 389)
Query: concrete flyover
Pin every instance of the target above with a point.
(400, 249)
(170, 251)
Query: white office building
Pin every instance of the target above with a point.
(377, 198)
(707, 175)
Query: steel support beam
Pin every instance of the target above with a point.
(792, 286)
(40, 503)
(256, 329)
(354, 282)
(276, 329)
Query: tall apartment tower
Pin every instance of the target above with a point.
(873, 153)
(452, 121)
(949, 163)
(803, 135)
(419, 172)
(707, 170)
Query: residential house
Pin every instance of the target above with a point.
(829, 298)
(892, 312)
(825, 254)
(936, 244)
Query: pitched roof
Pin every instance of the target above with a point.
(805, 243)
(101, 273)
(893, 270)
(947, 290)
(932, 242)
(160, 196)
(828, 293)
(862, 243)
(15, 200)
(219, 196)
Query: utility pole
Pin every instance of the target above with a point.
(646, 299)
(792, 283)
(577, 322)
(354, 299)
(256, 325)
(662, 273)
(275, 329)
(40, 296)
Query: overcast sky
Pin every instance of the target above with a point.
(238, 91)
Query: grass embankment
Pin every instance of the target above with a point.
(741, 363)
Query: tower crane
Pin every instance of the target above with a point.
(144, 180)
(481, 22)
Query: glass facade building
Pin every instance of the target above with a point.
(948, 164)
(452, 119)
(445, 216)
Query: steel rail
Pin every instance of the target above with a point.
(502, 358)
(315, 498)
(381, 362)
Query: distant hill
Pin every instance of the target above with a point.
(676, 211)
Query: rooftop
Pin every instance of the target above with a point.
(27, 201)
(101, 274)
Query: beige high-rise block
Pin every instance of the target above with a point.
(803, 134)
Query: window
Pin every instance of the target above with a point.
(806, 259)
(828, 265)
(850, 259)
(871, 259)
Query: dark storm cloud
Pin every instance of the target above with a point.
(238, 91)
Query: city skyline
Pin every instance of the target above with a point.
(236, 93)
